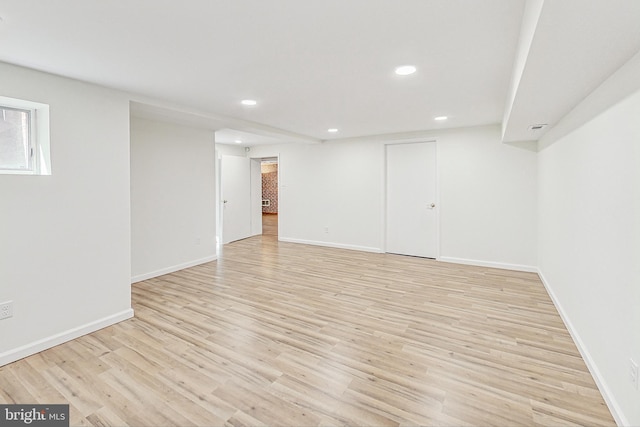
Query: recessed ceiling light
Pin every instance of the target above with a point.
(332, 130)
(405, 70)
(249, 102)
(237, 141)
(440, 118)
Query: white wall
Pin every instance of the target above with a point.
(172, 197)
(488, 199)
(487, 195)
(589, 244)
(64, 252)
(230, 150)
(332, 185)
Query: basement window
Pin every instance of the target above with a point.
(24, 137)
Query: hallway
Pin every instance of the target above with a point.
(270, 224)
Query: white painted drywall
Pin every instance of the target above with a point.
(530, 17)
(619, 85)
(589, 244)
(488, 199)
(332, 186)
(487, 195)
(64, 256)
(230, 150)
(172, 197)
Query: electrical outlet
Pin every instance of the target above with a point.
(6, 309)
(633, 373)
(326, 230)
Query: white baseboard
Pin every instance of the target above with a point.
(54, 340)
(163, 271)
(611, 402)
(500, 265)
(331, 245)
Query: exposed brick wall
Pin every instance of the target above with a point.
(270, 187)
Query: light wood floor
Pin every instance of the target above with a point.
(283, 334)
(270, 224)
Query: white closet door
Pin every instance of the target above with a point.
(235, 173)
(411, 227)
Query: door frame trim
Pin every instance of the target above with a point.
(280, 186)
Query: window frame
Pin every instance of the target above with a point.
(39, 160)
(31, 136)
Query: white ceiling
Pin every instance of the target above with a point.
(574, 47)
(319, 64)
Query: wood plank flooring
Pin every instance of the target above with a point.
(283, 334)
(270, 224)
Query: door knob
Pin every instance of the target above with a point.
(432, 205)
(224, 201)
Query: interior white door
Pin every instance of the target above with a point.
(411, 221)
(235, 176)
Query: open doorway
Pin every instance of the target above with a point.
(269, 170)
